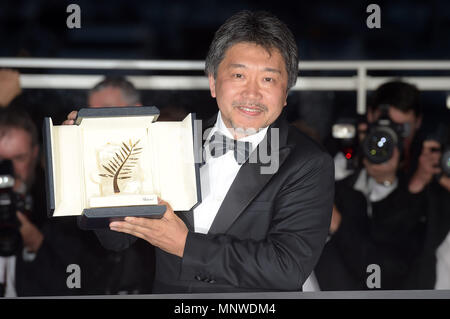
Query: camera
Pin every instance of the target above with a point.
(10, 203)
(383, 136)
(442, 136)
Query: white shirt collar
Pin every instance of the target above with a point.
(254, 139)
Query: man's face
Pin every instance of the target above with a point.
(400, 117)
(107, 97)
(16, 145)
(250, 87)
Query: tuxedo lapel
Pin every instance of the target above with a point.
(249, 182)
(188, 218)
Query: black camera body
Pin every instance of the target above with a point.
(382, 137)
(10, 203)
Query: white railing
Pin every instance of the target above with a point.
(360, 82)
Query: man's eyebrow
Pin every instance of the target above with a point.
(272, 70)
(267, 69)
(237, 65)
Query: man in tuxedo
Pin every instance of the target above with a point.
(255, 229)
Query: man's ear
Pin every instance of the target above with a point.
(370, 115)
(35, 152)
(212, 85)
(418, 122)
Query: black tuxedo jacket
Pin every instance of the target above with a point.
(269, 231)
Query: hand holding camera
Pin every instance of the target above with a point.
(427, 166)
(16, 230)
(31, 235)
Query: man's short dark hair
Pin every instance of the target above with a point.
(18, 119)
(261, 28)
(129, 92)
(398, 94)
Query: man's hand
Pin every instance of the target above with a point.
(445, 182)
(384, 172)
(9, 86)
(336, 219)
(427, 167)
(70, 118)
(168, 233)
(31, 235)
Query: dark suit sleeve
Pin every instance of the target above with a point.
(286, 257)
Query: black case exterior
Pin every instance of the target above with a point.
(49, 187)
(198, 156)
(96, 218)
(100, 217)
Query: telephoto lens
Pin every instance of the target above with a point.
(10, 239)
(379, 144)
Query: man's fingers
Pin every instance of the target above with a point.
(131, 227)
(22, 218)
(72, 115)
(128, 231)
(141, 221)
(70, 118)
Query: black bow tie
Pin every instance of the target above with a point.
(219, 144)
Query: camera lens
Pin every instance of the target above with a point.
(379, 144)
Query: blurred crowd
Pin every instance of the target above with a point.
(392, 201)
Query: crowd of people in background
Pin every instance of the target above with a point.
(394, 214)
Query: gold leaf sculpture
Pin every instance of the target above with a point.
(122, 164)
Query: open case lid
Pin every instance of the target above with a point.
(99, 217)
(128, 111)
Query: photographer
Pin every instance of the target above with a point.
(34, 254)
(377, 218)
(432, 181)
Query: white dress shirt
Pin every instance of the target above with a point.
(7, 275)
(217, 175)
(340, 167)
(373, 191)
(443, 265)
